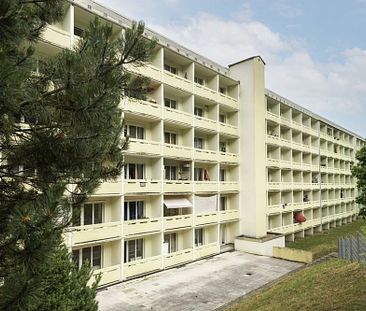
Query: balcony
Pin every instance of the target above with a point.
(108, 189)
(178, 116)
(177, 258)
(274, 185)
(108, 275)
(176, 222)
(141, 226)
(204, 186)
(296, 125)
(205, 155)
(141, 266)
(227, 157)
(228, 129)
(178, 82)
(228, 101)
(285, 121)
(143, 147)
(205, 123)
(178, 186)
(273, 162)
(273, 117)
(206, 218)
(142, 108)
(207, 250)
(229, 215)
(177, 151)
(142, 186)
(147, 70)
(286, 185)
(272, 139)
(205, 92)
(98, 232)
(228, 186)
(57, 36)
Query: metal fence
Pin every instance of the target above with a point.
(353, 248)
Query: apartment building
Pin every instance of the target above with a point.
(212, 156)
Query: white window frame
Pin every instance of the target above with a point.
(139, 131)
(126, 251)
(199, 237)
(198, 174)
(172, 138)
(136, 165)
(199, 111)
(222, 174)
(170, 171)
(82, 213)
(80, 256)
(139, 204)
(222, 118)
(173, 70)
(172, 240)
(199, 143)
(223, 203)
(170, 103)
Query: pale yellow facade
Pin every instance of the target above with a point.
(212, 155)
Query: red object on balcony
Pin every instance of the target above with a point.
(299, 217)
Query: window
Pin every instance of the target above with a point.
(222, 174)
(170, 138)
(90, 214)
(171, 69)
(222, 146)
(133, 131)
(198, 111)
(222, 90)
(78, 32)
(222, 118)
(91, 255)
(170, 172)
(170, 103)
(171, 240)
(198, 143)
(198, 173)
(133, 250)
(223, 203)
(199, 80)
(134, 171)
(198, 237)
(134, 210)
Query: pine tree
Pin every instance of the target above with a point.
(60, 137)
(359, 172)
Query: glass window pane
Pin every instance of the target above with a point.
(140, 209)
(173, 104)
(132, 131)
(125, 252)
(173, 173)
(173, 247)
(139, 249)
(97, 257)
(173, 138)
(140, 133)
(131, 171)
(86, 254)
(140, 171)
(131, 250)
(167, 102)
(76, 216)
(98, 213)
(167, 138)
(88, 219)
(75, 257)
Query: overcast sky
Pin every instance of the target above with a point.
(315, 50)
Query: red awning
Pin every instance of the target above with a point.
(299, 217)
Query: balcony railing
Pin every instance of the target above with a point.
(178, 258)
(205, 123)
(206, 218)
(141, 186)
(207, 250)
(206, 92)
(139, 226)
(228, 101)
(141, 146)
(228, 157)
(57, 36)
(147, 70)
(141, 266)
(178, 116)
(229, 215)
(178, 82)
(104, 231)
(178, 186)
(228, 129)
(228, 186)
(108, 275)
(205, 155)
(143, 108)
(109, 188)
(203, 186)
(178, 151)
(175, 222)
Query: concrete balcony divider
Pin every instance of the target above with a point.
(228, 101)
(207, 250)
(108, 275)
(141, 107)
(178, 82)
(109, 188)
(229, 215)
(178, 186)
(205, 155)
(179, 257)
(205, 92)
(178, 116)
(104, 231)
(141, 226)
(175, 222)
(141, 186)
(206, 218)
(141, 266)
(228, 129)
(203, 186)
(56, 36)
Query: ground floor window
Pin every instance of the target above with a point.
(198, 237)
(133, 250)
(172, 241)
(90, 255)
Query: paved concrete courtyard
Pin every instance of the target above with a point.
(202, 285)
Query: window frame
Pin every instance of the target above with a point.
(126, 257)
(79, 261)
(170, 103)
(140, 209)
(198, 143)
(172, 138)
(172, 242)
(135, 172)
(199, 237)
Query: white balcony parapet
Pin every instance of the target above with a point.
(147, 70)
(205, 155)
(141, 146)
(228, 186)
(178, 116)
(207, 250)
(228, 157)
(229, 215)
(108, 188)
(178, 257)
(178, 82)
(143, 108)
(206, 218)
(108, 275)
(178, 151)
(205, 92)
(228, 101)
(178, 186)
(141, 266)
(228, 129)
(206, 123)
(175, 222)
(56, 36)
(204, 186)
(141, 226)
(87, 233)
(142, 185)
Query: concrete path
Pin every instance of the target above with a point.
(202, 285)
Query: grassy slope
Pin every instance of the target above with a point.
(331, 285)
(326, 242)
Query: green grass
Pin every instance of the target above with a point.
(321, 244)
(333, 285)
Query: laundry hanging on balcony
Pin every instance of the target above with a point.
(300, 217)
(205, 204)
(205, 175)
